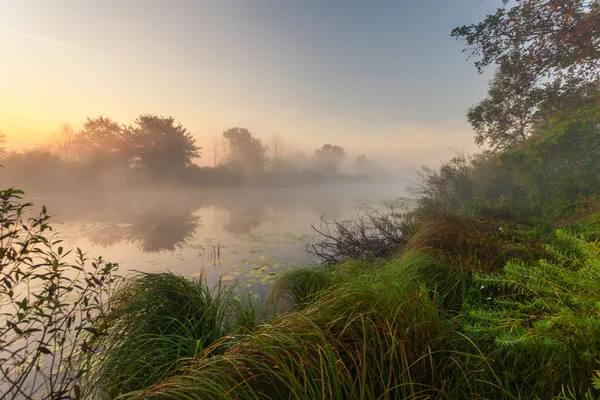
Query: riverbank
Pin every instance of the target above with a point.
(468, 308)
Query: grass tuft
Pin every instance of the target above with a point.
(157, 322)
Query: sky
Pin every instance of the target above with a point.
(379, 77)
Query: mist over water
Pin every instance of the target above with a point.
(247, 235)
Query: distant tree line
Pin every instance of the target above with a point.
(158, 149)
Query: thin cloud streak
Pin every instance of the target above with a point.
(54, 42)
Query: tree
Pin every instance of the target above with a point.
(329, 157)
(2, 145)
(103, 140)
(555, 37)
(277, 148)
(504, 117)
(362, 165)
(64, 141)
(548, 57)
(244, 149)
(159, 145)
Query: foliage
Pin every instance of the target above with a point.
(370, 337)
(103, 141)
(474, 244)
(504, 118)
(562, 163)
(543, 318)
(300, 287)
(48, 304)
(424, 323)
(542, 176)
(364, 166)
(64, 141)
(447, 187)
(553, 36)
(159, 145)
(547, 53)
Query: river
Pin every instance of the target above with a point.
(244, 235)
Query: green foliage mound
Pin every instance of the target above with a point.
(540, 321)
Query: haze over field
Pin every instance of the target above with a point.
(380, 78)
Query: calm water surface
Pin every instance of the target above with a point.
(243, 235)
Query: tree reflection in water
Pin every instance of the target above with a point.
(154, 225)
(164, 221)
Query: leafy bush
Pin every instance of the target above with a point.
(49, 306)
(541, 177)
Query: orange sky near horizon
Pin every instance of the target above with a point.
(64, 61)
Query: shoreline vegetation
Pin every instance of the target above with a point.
(454, 306)
(488, 289)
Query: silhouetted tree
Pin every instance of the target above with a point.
(329, 157)
(361, 162)
(219, 149)
(277, 148)
(103, 140)
(2, 145)
(64, 141)
(245, 150)
(159, 145)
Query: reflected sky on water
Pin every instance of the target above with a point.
(245, 235)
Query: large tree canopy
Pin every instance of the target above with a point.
(160, 145)
(548, 58)
(103, 140)
(554, 36)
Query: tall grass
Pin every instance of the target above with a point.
(376, 335)
(442, 320)
(155, 323)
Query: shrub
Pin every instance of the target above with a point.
(371, 235)
(475, 244)
(49, 306)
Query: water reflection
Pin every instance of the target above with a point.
(166, 221)
(245, 215)
(155, 230)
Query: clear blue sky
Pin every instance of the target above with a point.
(380, 77)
